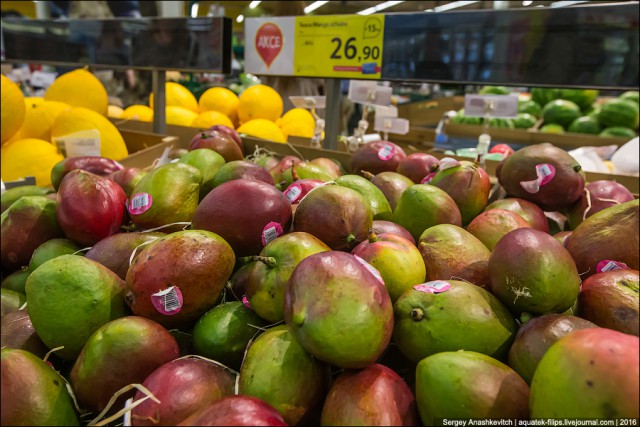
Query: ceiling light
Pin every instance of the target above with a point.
(429, 10)
(239, 18)
(379, 7)
(453, 5)
(566, 3)
(194, 10)
(254, 4)
(315, 5)
(527, 2)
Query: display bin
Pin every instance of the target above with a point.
(181, 136)
(429, 112)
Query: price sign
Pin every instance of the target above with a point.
(345, 46)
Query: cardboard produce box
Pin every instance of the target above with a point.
(429, 112)
(181, 137)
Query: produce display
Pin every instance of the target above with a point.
(566, 110)
(220, 287)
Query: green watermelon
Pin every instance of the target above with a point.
(619, 112)
(543, 96)
(618, 132)
(494, 90)
(585, 124)
(632, 95)
(501, 123)
(583, 98)
(552, 128)
(560, 112)
(530, 107)
(460, 118)
(524, 121)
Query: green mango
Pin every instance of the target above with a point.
(51, 249)
(174, 196)
(11, 301)
(380, 207)
(13, 194)
(16, 281)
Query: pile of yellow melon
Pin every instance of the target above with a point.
(75, 102)
(257, 112)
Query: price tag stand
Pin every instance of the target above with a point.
(312, 103)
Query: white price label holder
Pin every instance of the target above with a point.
(42, 79)
(388, 125)
(499, 106)
(390, 111)
(312, 103)
(368, 93)
(2, 187)
(488, 106)
(83, 143)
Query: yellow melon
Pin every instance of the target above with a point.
(29, 157)
(179, 96)
(39, 119)
(114, 112)
(259, 102)
(211, 118)
(179, 116)
(12, 109)
(79, 88)
(222, 100)
(77, 119)
(263, 128)
(138, 112)
(33, 100)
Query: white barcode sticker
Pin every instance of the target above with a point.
(78, 144)
(270, 232)
(433, 287)
(386, 152)
(371, 269)
(168, 301)
(140, 203)
(293, 193)
(610, 265)
(545, 173)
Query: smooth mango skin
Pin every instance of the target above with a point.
(69, 297)
(466, 317)
(466, 384)
(174, 188)
(121, 352)
(337, 310)
(13, 194)
(267, 283)
(468, 185)
(591, 373)
(451, 252)
(33, 394)
(51, 249)
(308, 170)
(207, 161)
(422, 206)
(530, 271)
(279, 371)
(16, 281)
(380, 207)
(536, 336)
(392, 185)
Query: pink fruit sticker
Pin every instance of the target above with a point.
(545, 173)
(270, 232)
(168, 301)
(433, 287)
(140, 203)
(246, 302)
(427, 179)
(371, 269)
(293, 193)
(447, 162)
(386, 152)
(609, 265)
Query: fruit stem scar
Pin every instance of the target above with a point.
(417, 314)
(372, 236)
(350, 238)
(268, 260)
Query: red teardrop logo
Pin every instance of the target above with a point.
(268, 42)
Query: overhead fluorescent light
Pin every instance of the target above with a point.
(566, 3)
(254, 4)
(453, 5)
(194, 9)
(315, 5)
(527, 2)
(429, 10)
(378, 8)
(239, 18)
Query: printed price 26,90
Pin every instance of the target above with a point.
(350, 51)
